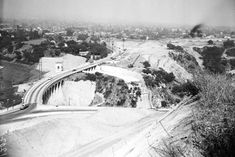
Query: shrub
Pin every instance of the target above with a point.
(146, 64)
(169, 150)
(231, 52)
(170, 46)
(232, 63)
(163, 103)
(188, 88)
(147, 71)
(228, 43)
(157, 77)
(212, 59)
(91, 77)
(214, 123)
(149, 81)
(3, 149)
(173, 47)
(210, 42)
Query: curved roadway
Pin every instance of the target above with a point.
(33, 96)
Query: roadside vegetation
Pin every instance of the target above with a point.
(115, 91)
(213, 115)
(155, 78)
(214, 119)
(14, 74)
(213, 59)
(159, 82)
(231, 52)
(3, 149)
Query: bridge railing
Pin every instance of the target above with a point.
(63, 74)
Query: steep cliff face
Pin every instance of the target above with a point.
(115, 91)
(169, 65)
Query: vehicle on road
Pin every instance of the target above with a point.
(24, 106)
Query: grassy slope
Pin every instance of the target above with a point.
(18, 73)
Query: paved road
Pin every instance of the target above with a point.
(96, 147)
(34, 95)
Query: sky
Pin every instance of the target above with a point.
(180, 12)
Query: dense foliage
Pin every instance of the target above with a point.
(173, 47)
(228, 43)
(214, 119)
(231, 52)
(210, 42)
(212, 59)
(154, 78)
(183, 58)
(187, 89)
(115, 91)
(146, 64)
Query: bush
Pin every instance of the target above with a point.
(146, 64)
(157, 77)
(147, 71)
(149, 81)
(214, 121)
(91, 77)
(212, 59)
(173, 47)
(169, 150)
(187, 88)
(231, 52)
(3, 149)
(210, 42)
(228, 43)
(170, 46)
(232, 63)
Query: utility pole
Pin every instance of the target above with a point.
(112, 45)
(40, 68)
(123, 40)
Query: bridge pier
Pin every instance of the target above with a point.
(90, 70)
(59, 84)
(52, 89)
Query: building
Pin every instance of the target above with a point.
(83, 53)
(59, 66)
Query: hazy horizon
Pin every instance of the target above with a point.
(178, 12)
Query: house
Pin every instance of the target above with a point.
(83, 53)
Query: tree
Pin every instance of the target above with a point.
(69, 32)
(170, 46)
(10, 49)
(212, 59)
(228, 43)
(18, 55)
(210, 42)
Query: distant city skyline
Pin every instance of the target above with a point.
(178, 12)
